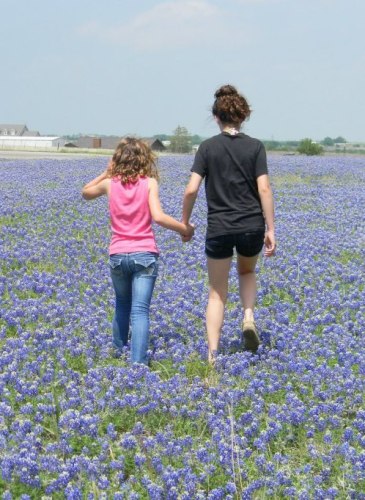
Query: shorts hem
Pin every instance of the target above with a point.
(248, 256)
(219, 258)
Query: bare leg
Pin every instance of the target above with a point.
(247, 283)
(218, 271)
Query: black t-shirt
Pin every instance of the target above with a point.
(230, 165)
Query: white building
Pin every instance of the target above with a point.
(23, 142)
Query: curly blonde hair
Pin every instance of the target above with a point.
(133, 158)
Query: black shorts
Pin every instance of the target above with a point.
(246, 244)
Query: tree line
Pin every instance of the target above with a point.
(181, 141)
(305, 146)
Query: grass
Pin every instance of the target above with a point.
(14, 220)
(77, 363)
(347, 256)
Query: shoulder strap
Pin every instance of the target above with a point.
(235, 162)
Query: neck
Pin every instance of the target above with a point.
(231, 129)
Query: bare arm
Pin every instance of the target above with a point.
(267, 203)
(101, 187)
(159, 216)
(98, 186)
(191, 192)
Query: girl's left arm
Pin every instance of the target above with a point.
(162, 219)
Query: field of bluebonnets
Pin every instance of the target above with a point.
(76, 423)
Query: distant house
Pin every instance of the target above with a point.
(97, 142)
(349, 146)
(13, 129)
(19, 136)
(155, 144)
(111, 142)
(31, 133)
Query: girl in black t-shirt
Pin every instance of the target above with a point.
(240, 212)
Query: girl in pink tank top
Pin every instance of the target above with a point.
(130, 182)
(130, 217)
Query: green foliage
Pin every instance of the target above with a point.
(196, 139)
(339, 140)
(73, 137)
(180, 141)
(327, 141)
(272, 145)
(309, 148)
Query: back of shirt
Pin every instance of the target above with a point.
(230, 165)
(130, 217)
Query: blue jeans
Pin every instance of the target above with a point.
(133, 276)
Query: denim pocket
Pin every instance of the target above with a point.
(115, 261)
(146, 264)
(150, 270)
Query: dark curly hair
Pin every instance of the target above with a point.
(133, 158)
(230, 106)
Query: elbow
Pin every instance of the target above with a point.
(264, 191)
(157, 217)
(157, 220)
(86, 195)
(190, 193)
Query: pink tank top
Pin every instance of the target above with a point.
(130, 217)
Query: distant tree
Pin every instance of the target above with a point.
(309, 148)
(272, 145)
(291, 144)
(327, 141)
(340, 140)
(73, 137)
(196, 139)
(180, 140)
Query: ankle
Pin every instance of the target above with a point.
(212, 356)
(248, 316)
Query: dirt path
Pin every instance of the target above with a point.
(18, 155)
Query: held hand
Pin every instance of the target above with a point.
(189, 233)
(270, 244)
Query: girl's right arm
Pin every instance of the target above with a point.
(159, 216)
(98, 186)
(191, 192)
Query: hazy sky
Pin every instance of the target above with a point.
(146, 66)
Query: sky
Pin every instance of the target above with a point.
(144, 67)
